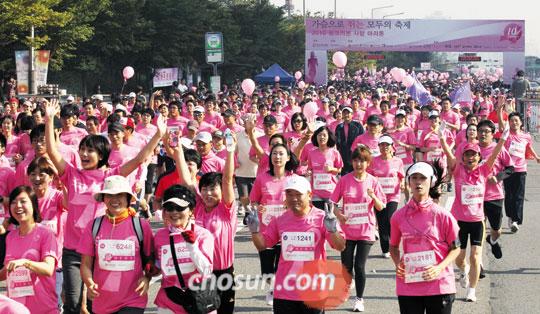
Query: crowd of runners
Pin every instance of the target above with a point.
(81, 180)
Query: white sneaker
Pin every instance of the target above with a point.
(464, 277)
(514, 227)
(471, 295)
(386, 255)
(270, 297)
(358, 305)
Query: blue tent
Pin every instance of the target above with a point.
(268, 76)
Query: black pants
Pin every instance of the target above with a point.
(227, 296)
(297, 307)
(348, 258)
(383, 220)
(514, 195)
(130, 310)
(73, 284)
(433, 304)
(319, 203)
(270, 259)
(150, 175)
(244, 184)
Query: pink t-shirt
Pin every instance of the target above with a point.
(370, 141)
(117, 263)
(389, 174)
(83, 208)
(371, 110)
(221, 221)
(282, 121)
(214, 119)
(25, 147)
(359, 116)
(323, 182)
(405, 135)
(12, 146)
(263, 162)
(268, 191)
(470, 187)
(212, 163)
(358, 206)
(461, 137)
(7, 177)
(451, 117)
(422, 126)
(516, 145)
(388, 121)
(496, 191)
(205, 244)
(73, 136)
(430, 139)
(429, 229)
(35, 246)
(53, 214)
(308, 233)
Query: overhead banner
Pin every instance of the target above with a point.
(22, 67)
(415, 35)
(165, 77)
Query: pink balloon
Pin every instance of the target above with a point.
(398, 74)
(499, 71)
(298, 75)
(276, 79)
(408, 81)
(301, 84)
(128, 72)
(248, 86)
(339, 59)
(310, 110)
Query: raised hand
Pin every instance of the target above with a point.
(330, 219)
(51, 108)
(252, 220)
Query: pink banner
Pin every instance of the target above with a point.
(415, 35)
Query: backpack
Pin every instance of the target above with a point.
(96, 225)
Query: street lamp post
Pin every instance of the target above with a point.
(378, 8)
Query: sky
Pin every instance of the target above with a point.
(436, 9)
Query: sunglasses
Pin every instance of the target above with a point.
(298, 121)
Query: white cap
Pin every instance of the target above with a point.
(98, 97)
(70, 98)
(422, 168)
(401, 112)
(456, 106)
(386, 139)
(121, 107)
(204, 137)
(297, 183)
(198, 109)
(433, 113)
(132, 95)
(115, 185)
(186, 142)
(107, 105)
(178, 201)
(347, 108)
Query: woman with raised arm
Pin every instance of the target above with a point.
(470, 178)
(81, 184)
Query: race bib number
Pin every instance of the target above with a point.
(51, 225)
(357, 214)
(388, 184)
(416, 263)
(116, 255)
(184, 259)
(472, 194)
(298, 246)
(323, 181)
(517, 149)
(431, 156)
(19, 283)
(401, 152)
(271, 212)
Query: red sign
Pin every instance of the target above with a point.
(374, 57)
(469, 58)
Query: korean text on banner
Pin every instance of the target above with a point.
(22, 65)
(165, 77)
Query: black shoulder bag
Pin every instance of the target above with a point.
(199, 301)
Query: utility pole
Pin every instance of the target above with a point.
(335, 11)
(32, 74)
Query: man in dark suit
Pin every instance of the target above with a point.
(346, 132)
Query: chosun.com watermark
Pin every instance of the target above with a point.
(312, 282)
(291, 282)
